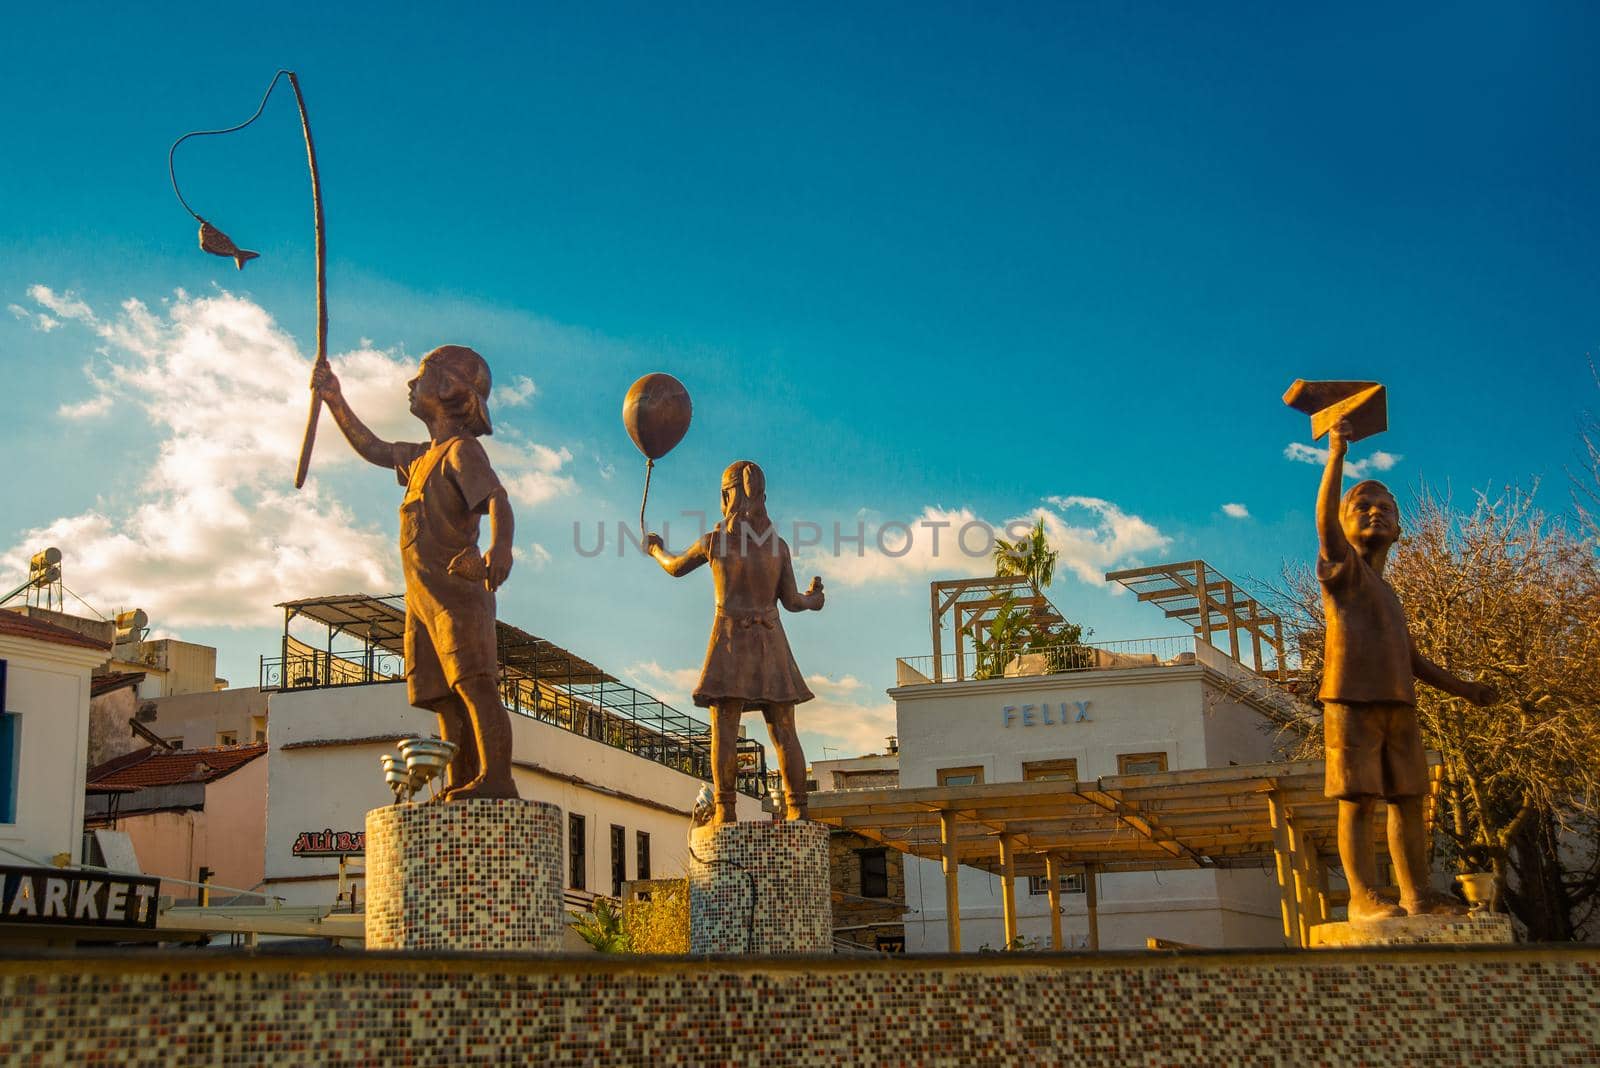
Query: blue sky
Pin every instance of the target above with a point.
(906, 257)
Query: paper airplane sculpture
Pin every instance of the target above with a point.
(1365, 404)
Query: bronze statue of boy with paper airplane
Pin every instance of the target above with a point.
(1371, 665)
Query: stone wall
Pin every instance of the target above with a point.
(865, 922)
(1525, 1005)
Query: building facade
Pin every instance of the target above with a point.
(1182, 711)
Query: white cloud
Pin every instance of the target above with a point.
(831, 728)
(1235, 511)
(515, 393)
(672, 685)
(66, 305)
(1091, 535)
(1310, 454)
(41, 322)
(1111, 537)
(209, 531)
(95, 406)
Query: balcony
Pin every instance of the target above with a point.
(538, 679)
(1066, 658)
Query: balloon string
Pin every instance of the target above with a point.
(649, 465)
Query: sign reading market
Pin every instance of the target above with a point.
(60, 897)
(330, 843)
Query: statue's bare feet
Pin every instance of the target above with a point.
(483, 788)
(1432, 903)
(1369, 906)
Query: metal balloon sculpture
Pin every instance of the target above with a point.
(214, 241)
(656, 412)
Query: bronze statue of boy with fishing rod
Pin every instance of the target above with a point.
(451, 661)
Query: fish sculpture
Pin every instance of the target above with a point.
(218, 243)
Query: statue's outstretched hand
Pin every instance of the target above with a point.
(1481, 693)
(814, 592)
(1339, 438)
(653, 542)
(324, 383)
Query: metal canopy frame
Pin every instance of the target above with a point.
(1244, 816)
(1198, 594)
(538, 679)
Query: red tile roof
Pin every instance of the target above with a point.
(169, 767)
(101, 685)
(21, 626)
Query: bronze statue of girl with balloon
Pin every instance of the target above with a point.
(748, 665)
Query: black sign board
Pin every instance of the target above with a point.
(62, 897)
(330, 843)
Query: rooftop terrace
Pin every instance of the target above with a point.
(366, 644)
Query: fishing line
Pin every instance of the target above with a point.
(173, 174)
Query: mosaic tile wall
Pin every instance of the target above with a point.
(1521, 1005)
(1488, 929)
(482, 875)
(760, 887)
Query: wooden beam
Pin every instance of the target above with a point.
(937, 614)
(1052, 874)
(1233, 622)
(1091, 895)
(1008, 888)
(1205, 601)
(1285, 871)
(952, 880)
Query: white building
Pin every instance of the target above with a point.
(624, 767)
(44, 729)
(1115, 709)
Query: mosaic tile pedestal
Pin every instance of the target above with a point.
(760, 887)
(475, 875)
(1483, 928)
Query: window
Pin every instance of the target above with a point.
(619, 859)
(874, 872)
(1141, 763)
(577, 852)
(968, 776)
(175, 742)
(1040, 770)
(1071, 883)
(258, 728)
(642, 861)
(10, 755)
(10, 762)
(227, 737)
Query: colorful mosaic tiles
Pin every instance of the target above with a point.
(476, 875)
(1482, 929)
(760, 887)
(1513, 1005)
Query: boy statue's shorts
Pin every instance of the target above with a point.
(1374, 750)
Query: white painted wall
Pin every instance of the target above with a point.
(48, 686)
(1188, 713)
(335, 785)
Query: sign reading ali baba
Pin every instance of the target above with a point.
(77, 898)
(330, 843)
(1040, 715)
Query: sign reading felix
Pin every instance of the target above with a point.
(331, 843)
(1045, 715)
(77, 899)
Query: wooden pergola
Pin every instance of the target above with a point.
(1198, 594)
(1245, 816)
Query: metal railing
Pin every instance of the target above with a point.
(1059, 659)
(606, 711)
